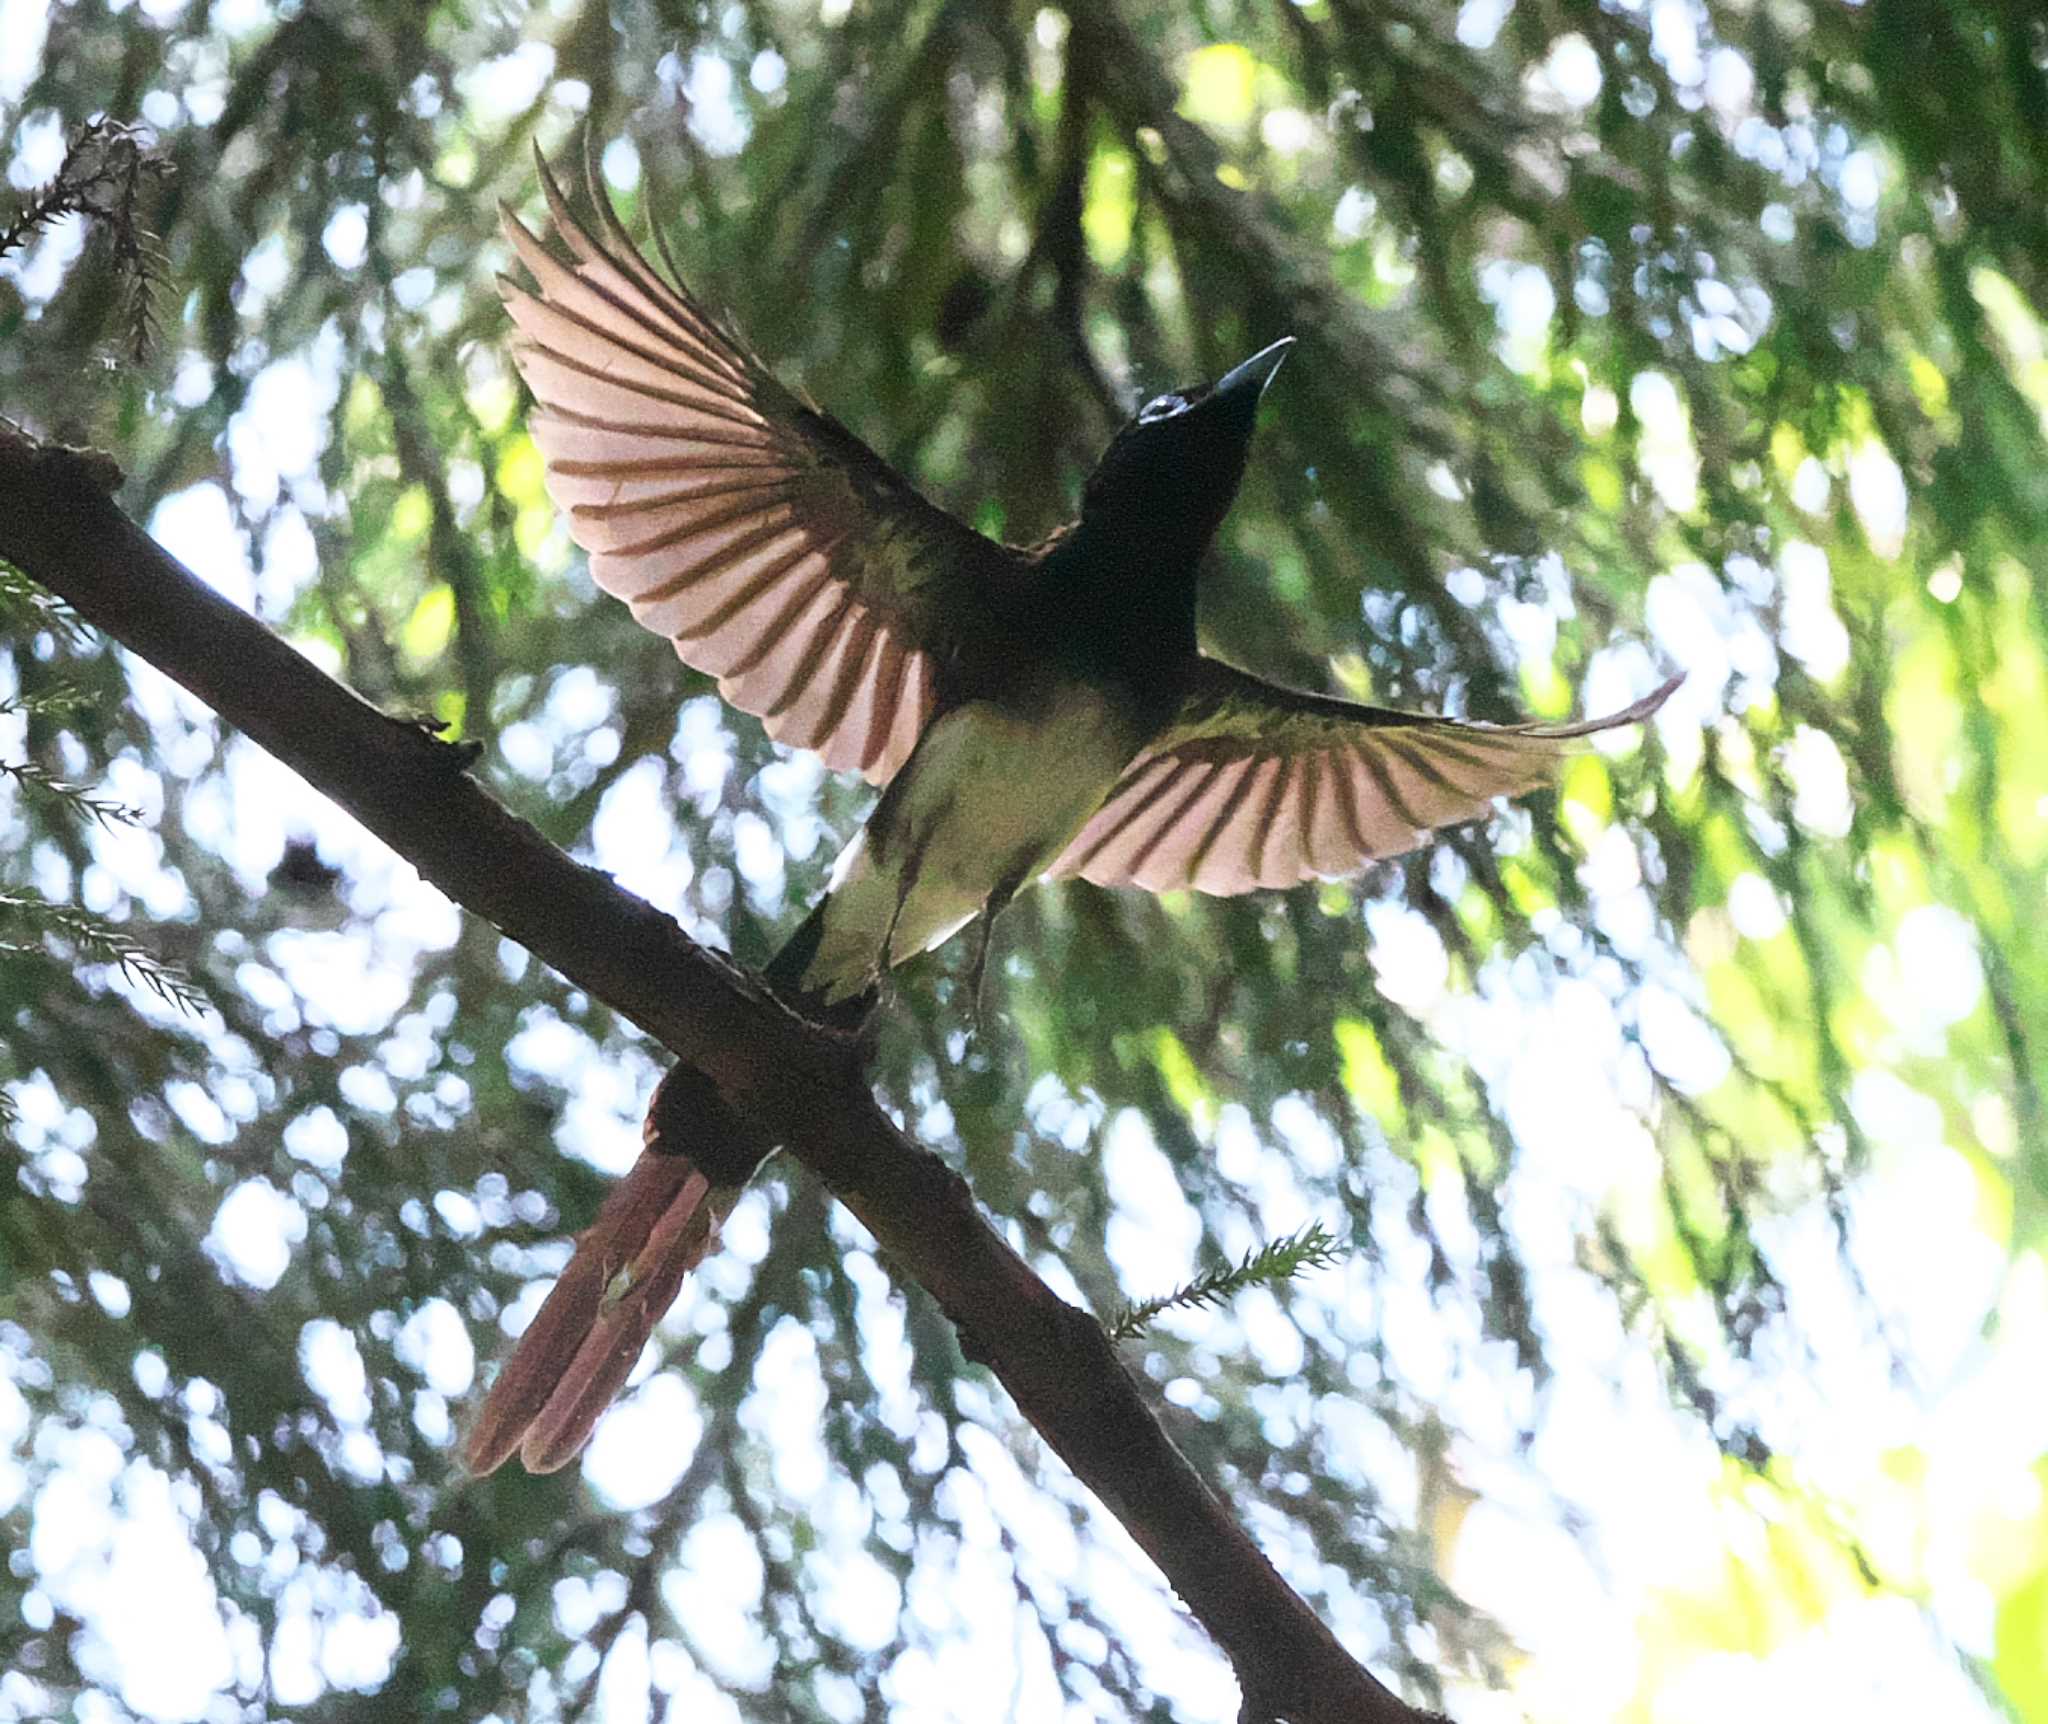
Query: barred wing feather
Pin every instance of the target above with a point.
(776, 550)
(1257, 785)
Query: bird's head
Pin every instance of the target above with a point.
(1170, 474)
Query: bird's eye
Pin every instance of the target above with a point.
(1162, 407)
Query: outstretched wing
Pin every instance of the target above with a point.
(1257, 785)
(777, 551)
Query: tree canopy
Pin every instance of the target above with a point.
(1675, 1143)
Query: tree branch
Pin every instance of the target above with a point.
(59, 524)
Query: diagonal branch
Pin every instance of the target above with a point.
(805, 1086)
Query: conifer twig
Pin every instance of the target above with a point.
(95, 940)
(23, 602)
(78, 802)
(1281, 1260)
(58, 701)
(106, 164)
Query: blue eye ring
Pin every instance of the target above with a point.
(1161, 407)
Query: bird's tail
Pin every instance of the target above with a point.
(657, 1225)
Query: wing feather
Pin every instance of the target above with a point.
(804, 655)
(880, 695)
(1218, 829)
(1330, 851)
(850, 658)
(1253, 785)
(775, 550)
(1186, 826)
(672, 514)
(1136, 797)
(782, 606)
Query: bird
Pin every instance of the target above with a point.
(1027, 713)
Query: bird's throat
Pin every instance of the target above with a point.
(1122, 603)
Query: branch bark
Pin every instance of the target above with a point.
(60, 526)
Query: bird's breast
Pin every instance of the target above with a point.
(995, 790)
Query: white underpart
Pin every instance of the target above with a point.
(990, 790)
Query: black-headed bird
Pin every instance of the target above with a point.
(1031, 714)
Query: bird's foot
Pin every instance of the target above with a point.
(984, 934)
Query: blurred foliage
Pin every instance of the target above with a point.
(1715, 328)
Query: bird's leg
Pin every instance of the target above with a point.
(977, 972)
